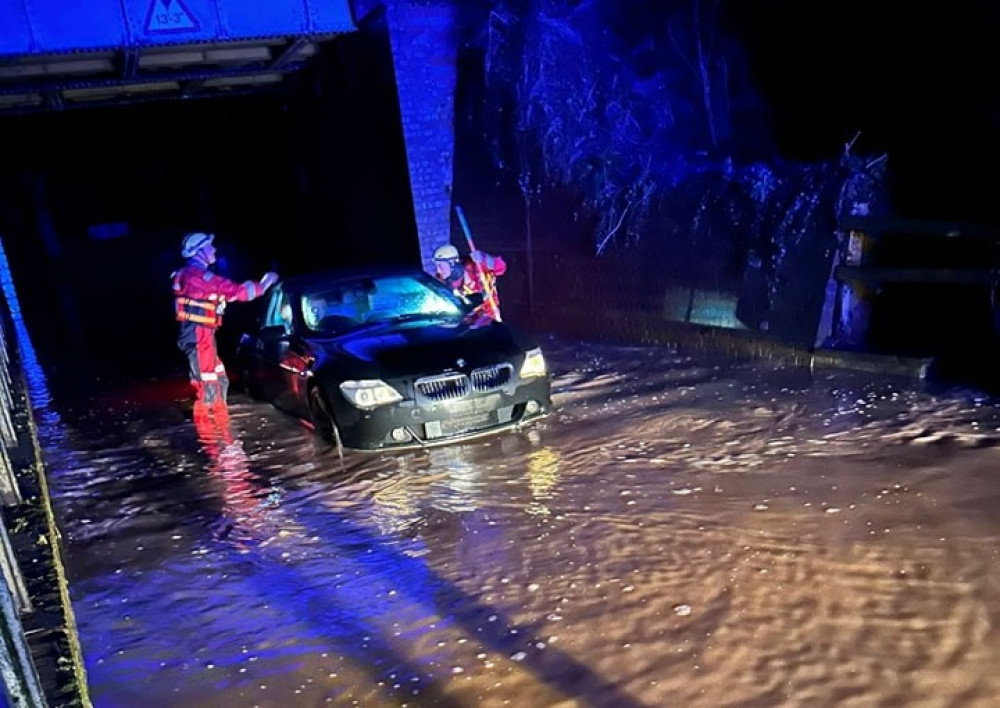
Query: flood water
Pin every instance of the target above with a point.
(680, 532)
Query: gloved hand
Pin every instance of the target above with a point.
(269, 279)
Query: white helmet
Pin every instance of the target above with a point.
(446, 252)
(194, 242)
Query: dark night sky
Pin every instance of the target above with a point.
(918, 80)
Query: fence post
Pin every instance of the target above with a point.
(855, 302)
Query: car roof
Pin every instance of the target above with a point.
(311, 280)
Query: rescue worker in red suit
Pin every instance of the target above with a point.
(467, 275)
(200, 298)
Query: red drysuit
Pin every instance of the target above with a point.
(465, 279)
(200, 298)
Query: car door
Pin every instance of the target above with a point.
(270, 347)
(286, 358)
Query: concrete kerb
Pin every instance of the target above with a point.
(55, 538)
(686, 338)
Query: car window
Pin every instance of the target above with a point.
(279, 310)
(406, 296)
(345, 305)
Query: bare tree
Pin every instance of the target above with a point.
(695, 42)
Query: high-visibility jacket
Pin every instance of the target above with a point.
(472, 282)
(200, 296)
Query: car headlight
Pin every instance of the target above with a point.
(369, 394)
(534, 365)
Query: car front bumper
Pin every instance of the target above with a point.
(416, 424)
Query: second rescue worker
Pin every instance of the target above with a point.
(200, 298)
(470, 275)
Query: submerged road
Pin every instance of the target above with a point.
(681, 531)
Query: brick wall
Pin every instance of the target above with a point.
(424, 52)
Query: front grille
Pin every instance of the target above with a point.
(491, 378)
(448, 387)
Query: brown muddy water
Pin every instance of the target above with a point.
(680, 532)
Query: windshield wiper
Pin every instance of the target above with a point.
(411, 316)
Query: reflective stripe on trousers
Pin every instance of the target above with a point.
(205, 369)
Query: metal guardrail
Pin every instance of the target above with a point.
(880, 253)
(20, 679)
(10, 495)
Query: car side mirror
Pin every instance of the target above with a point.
(272, 333)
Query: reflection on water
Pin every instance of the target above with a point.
(678, 532)
(542, 477)
(245, 501)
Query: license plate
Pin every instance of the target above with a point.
(453, 426)
(470, 407)
(462, 424)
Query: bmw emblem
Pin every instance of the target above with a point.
(460, 362)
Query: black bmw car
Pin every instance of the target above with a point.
(389, 358)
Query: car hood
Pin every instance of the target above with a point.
(425, 346)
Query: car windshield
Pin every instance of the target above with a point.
(344, 305)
